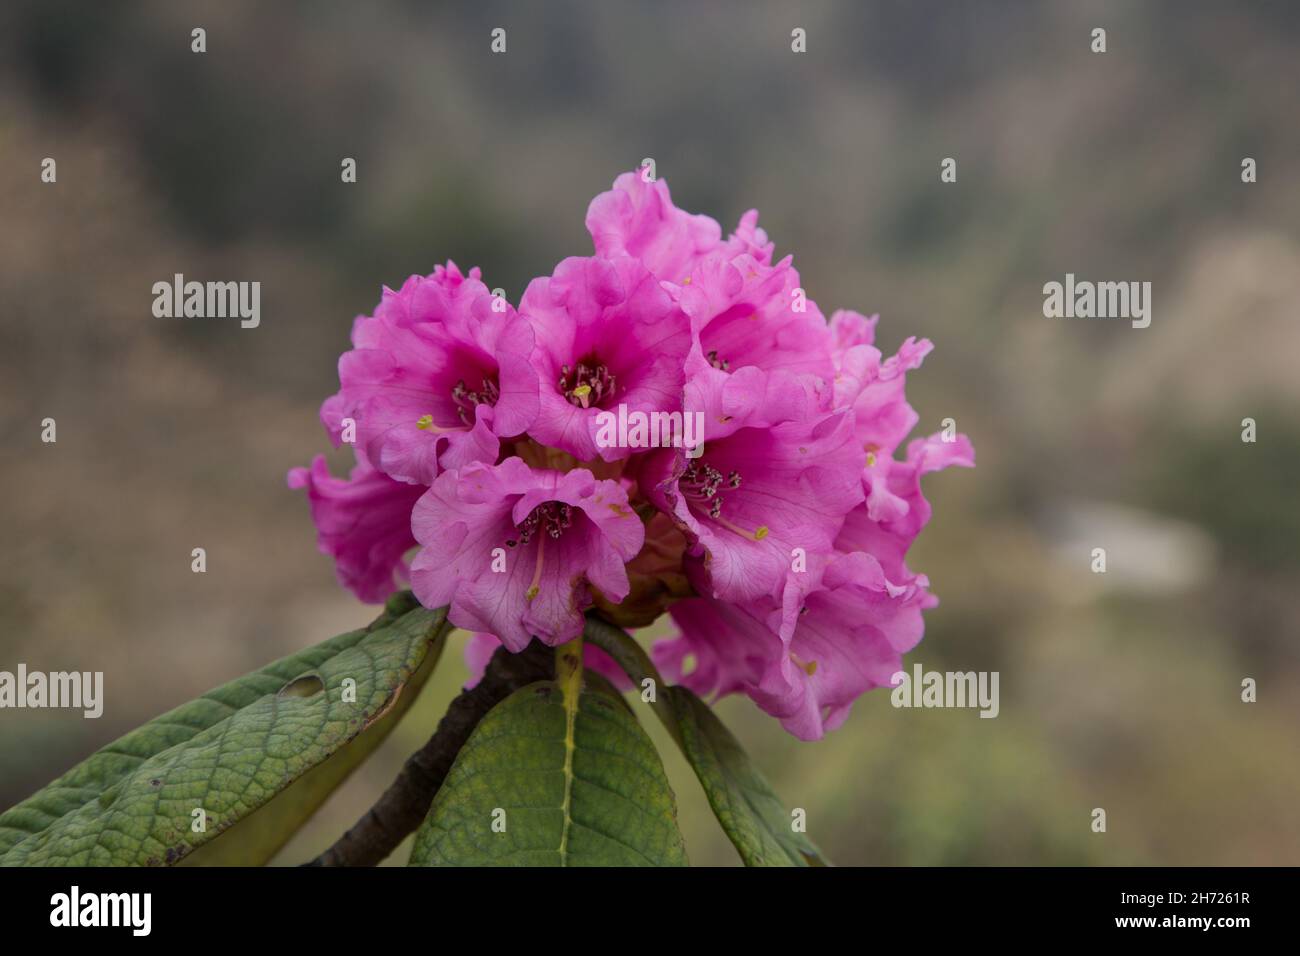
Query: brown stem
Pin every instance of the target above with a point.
(405, 803)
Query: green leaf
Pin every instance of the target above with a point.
(750, 812)
(570, 775)
(257, 756)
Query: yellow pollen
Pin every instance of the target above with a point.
(871, 459)
(424, 422)
(686, 281)
(810, 668)
(582, 391)
(758, 534)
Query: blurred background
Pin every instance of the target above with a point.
(1119, 690)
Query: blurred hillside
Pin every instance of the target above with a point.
(1118, 690)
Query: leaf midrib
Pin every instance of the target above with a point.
(570, 697)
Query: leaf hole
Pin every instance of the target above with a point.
(308, 685)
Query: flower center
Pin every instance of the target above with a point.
(718, 363)
(701, 484)
(586, 384)
(550, 519)
(547, 520)
(465, 400)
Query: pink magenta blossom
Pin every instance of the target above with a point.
(363, 522)
(895, 509)
(514, 550)
(779, 547)
(777, 476)
(807, 659)
(837, 630)
(607, 335)
(436, 377)
(637, 218)
(745, 313)
(873, 386)
(743, 310)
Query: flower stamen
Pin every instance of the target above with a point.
(488, 394)
(701, 482)
(536, 584)
(758, 534)
(587, 384)
(425, 424)
(553, 518)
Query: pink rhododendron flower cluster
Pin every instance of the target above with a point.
(777, 546)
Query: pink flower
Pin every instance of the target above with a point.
(637, 218)
(779, 548)
(895, 509)
(513, 550)
(849, 328)
(775, 480)
(844, 637)
(436, 377)
(481, 646)
(807, 659)
(838, 630)
(746, 313)
(874, 386)
(607, 335)
(743, 310)
(717, 650)
(363, 522)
